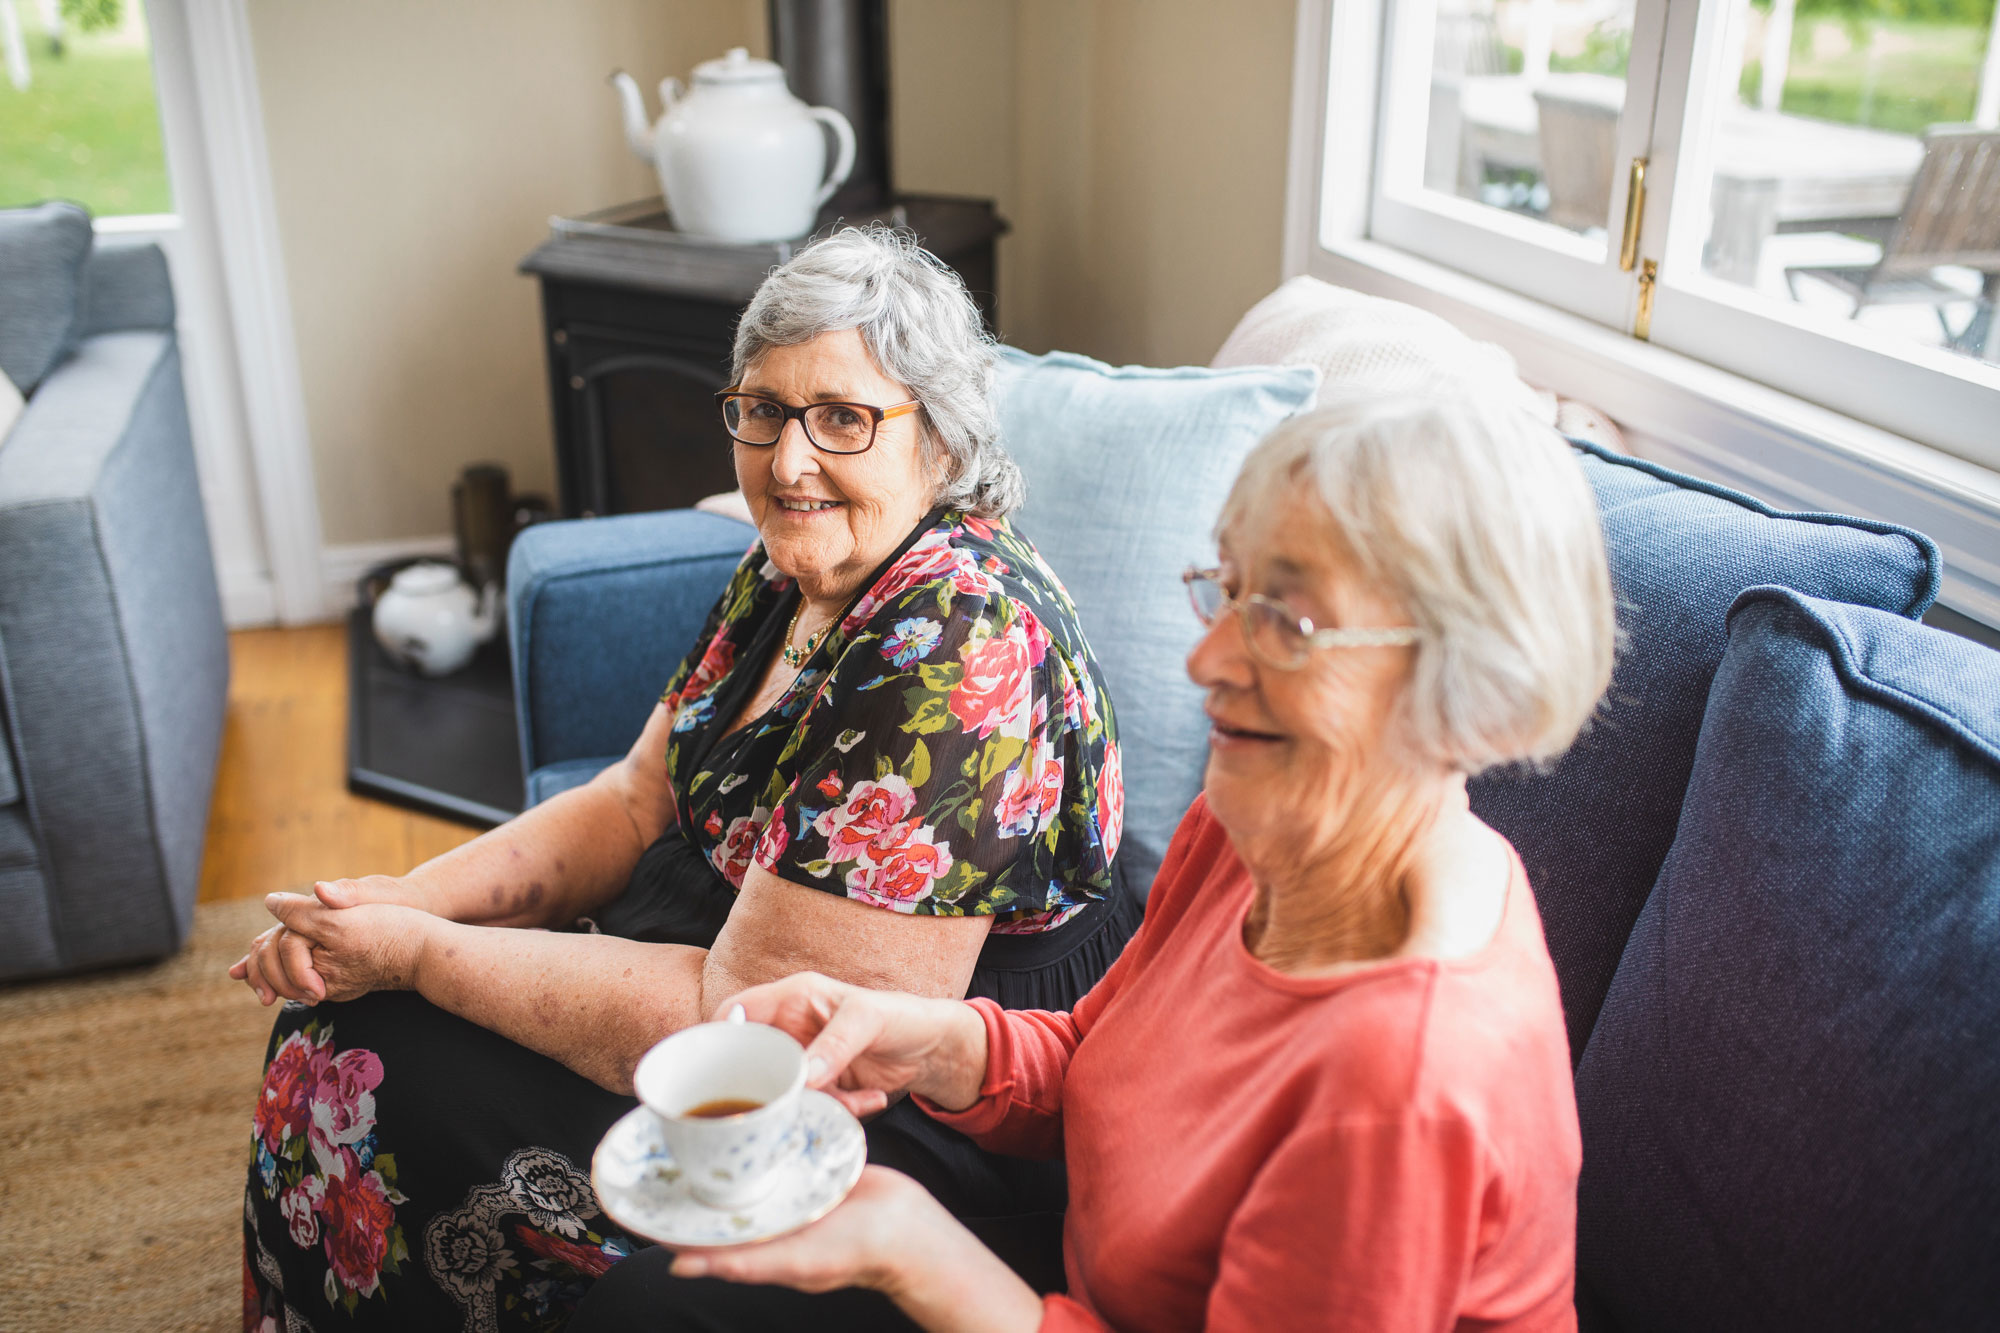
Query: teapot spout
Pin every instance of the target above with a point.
(638, 132)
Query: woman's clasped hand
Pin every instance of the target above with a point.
(347, 938)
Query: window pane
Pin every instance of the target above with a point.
(77, 116)
(1524, 104)
(1846, 182)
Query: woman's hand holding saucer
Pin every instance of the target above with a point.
(864, 1047)
(855, 1245)
(890, 1235)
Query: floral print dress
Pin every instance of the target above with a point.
(946, 750)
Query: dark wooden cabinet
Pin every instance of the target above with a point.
(637, 326)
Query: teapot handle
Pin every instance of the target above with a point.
(843, 158)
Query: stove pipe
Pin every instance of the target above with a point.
(836, 53)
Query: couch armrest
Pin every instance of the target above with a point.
(599, 613)
(125, 287)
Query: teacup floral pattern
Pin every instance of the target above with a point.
(946, 750)
(314, 1142)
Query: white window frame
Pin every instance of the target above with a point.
(1535, 258)
(1685, 413)
(246, 401)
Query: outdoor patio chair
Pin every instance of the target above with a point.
(1579, 149)
(1952, 216)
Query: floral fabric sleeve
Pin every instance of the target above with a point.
(962, 773)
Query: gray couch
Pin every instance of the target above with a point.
(114, 665)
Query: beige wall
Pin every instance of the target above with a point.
(417, 151)
(1138, 146)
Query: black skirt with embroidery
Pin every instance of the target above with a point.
(413, 1170)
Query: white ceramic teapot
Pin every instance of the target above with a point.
(740, 159)
(429, 618)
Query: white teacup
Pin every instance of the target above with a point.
(729, 1156)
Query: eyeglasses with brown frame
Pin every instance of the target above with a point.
(833, 428)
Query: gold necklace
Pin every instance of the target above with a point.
(796, 657)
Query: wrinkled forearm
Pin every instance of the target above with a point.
(549, 865)
(953, 1284)
(595, 1003)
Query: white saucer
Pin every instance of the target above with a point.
(643, 1190)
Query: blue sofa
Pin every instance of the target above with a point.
(1769, 872)
(114, 666)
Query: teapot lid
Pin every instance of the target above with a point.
(738, 68)
(425, 580)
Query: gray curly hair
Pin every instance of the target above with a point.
(919, 323)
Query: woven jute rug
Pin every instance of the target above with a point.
(125, 1102)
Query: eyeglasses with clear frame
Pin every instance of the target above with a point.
(833, 428)
(1276, 635)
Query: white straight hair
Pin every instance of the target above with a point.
(1479, 523)
(921, 326)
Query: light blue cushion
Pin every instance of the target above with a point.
(1791, 1101)
(42, 251)
(1127, 469)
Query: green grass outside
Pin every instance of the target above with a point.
(86, 128)
(1926, 73)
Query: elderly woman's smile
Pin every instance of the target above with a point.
(828, 519)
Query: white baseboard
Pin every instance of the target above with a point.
(249, 600)
(341, 567)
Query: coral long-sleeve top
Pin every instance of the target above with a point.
(1394, 1147)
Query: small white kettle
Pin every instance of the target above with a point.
(740, 159)
(429, 618)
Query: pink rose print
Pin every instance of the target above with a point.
(284, 1107)
(300, 1204)
(1111, 799)
(978, 527)
(994, 693)
(732, 855)
(829, 786)
(771, 845)
(343, 1106)
(933, 558)
(358, 1213)
(855, 829)
(1031, 794)
(906, 872)
(713, 825)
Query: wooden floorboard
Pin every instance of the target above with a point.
(282, 815)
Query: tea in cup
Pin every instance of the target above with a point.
(727, 1099)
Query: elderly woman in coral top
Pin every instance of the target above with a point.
(1327, 1085)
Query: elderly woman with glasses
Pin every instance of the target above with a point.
(1327, 1085)
(886, 758)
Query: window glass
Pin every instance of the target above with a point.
(1853, 168)
(77, 115)
(1525, 97)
